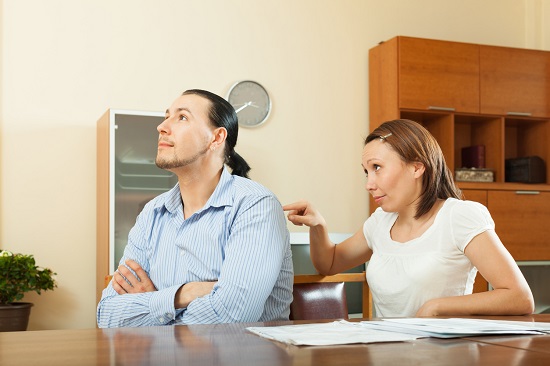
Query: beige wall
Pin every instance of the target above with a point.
(537, 23)
(65, 62)
(1, 113)
(545, 26)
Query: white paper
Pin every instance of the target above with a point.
(455, 327)
(323, 334)
(394, 330)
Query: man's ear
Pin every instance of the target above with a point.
(218, 138)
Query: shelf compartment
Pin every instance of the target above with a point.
(528, 137)
(441, 126)
(477, 130)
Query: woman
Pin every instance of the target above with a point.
(424, 244)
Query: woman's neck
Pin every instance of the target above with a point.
(407, 227)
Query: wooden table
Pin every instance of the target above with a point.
(231, 344)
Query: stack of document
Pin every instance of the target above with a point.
(325, 334)
(393, 330)
(456, 327)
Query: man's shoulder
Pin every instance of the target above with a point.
(247, 192)
(250, 188)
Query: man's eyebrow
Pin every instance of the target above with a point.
(179, 110)
(184, 109)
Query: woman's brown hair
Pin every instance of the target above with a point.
(413, 143)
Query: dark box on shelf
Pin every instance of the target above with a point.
(530, 169)
(473, 157)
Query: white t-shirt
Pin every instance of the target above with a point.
(403, 276)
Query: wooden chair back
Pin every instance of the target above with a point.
(323, 297)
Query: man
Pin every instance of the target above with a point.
(213, 249)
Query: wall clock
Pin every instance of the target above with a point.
(251, 102)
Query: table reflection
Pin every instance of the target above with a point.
(231, 344)
(426, 351)
(221, 344)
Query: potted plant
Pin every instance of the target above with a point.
(20, 274)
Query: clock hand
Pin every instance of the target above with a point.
(244, 106)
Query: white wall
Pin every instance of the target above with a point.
(65, 62)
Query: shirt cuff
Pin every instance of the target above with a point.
(162, 305)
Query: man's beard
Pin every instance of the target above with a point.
(175, 162)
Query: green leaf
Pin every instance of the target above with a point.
(19, 274)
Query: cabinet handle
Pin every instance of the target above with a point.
(519, 114)
(436, 108)
(527, 192)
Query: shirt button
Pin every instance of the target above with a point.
(161, 319)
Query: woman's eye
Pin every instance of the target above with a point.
(375, 168)
(183, 118)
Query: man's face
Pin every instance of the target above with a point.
(186, 134)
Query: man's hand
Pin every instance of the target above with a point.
(125, 282)
(191, 291)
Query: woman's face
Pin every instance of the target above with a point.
(394, 184)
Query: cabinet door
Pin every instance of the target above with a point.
(522, 222)
(476, 195)
(438, 75)
(127, 178)
(514, 81)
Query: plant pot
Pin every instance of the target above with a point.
(15, 316)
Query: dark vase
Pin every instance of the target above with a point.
(15, 316)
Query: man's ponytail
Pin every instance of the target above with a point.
(222, 114)
(238, 165)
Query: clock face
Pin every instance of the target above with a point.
(251, 102)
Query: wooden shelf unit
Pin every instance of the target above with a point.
(469, 94)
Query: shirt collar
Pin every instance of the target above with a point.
(222, 195)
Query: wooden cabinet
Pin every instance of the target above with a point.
(424, 74)
(408, 77)
(438, 75)
(514, 82)
(477, 195)
(127, 178)
(522, 219)
(521, 214)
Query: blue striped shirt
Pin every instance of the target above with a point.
(239, 238)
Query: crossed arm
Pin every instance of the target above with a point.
(246, 272)
(126, 282)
